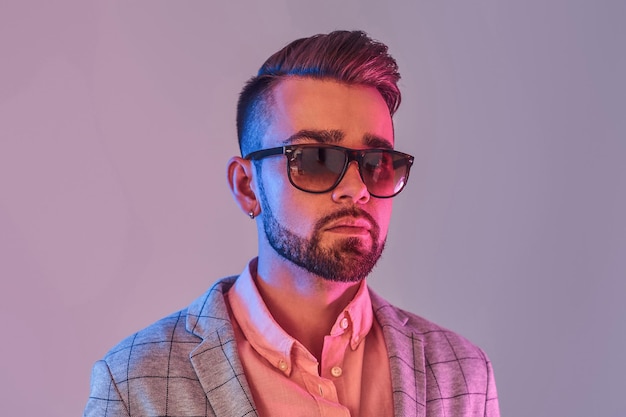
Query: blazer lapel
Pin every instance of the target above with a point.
(406, 359)
(215, 359)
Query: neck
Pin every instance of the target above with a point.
(305, 305)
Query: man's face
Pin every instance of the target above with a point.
(338, 235)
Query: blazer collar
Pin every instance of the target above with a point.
(405, 348)
(215, 359)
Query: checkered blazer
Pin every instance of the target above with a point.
(187, 365)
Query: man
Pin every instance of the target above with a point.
(299, 333)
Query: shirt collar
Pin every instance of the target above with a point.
(269, 339)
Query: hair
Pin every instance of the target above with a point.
(350, 57)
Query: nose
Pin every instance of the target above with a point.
(351, 186)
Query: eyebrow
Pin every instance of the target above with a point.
(374, 141)
(335, 136)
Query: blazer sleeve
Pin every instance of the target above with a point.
(492, 407)
(105, 399)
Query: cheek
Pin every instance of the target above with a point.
(285, 201)
(271, 181)
(383, 215)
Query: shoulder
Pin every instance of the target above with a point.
(457, 374)
(151, 344)
(153, 368)
(440, 345)
(173, 336)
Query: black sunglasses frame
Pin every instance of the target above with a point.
(352, 155)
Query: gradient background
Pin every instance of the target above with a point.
(117, 119)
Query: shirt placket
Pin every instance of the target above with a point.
(321, 389)
(333, 354)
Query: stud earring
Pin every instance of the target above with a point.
(251, 214)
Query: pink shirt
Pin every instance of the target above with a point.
(354, 379)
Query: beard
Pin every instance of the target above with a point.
(349, 259)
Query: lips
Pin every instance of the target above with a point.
(350, 221)
(350, 226)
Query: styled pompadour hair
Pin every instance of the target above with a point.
(350, 57)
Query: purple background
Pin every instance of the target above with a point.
(117, 119)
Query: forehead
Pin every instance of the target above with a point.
(298, 104)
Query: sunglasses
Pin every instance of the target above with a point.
(315, 168)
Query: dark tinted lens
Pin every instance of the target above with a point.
(316, 169)
(384, 172)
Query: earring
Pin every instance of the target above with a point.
(251, 214)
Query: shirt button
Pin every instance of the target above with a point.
(282, 365)
(336, 371)
(344, 323)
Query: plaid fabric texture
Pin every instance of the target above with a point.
(187, 365)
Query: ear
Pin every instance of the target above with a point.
(240, 179)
